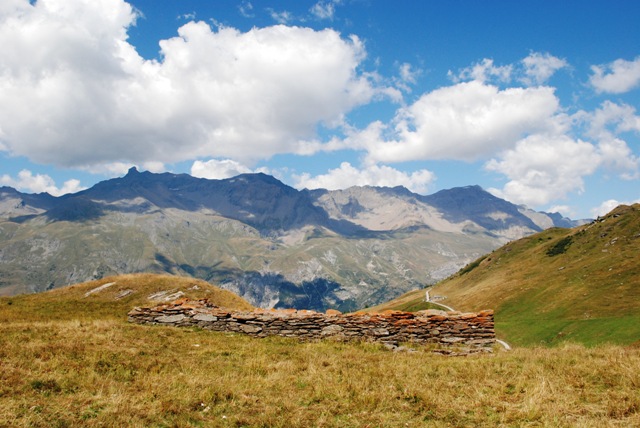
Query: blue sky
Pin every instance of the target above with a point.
(536, 101)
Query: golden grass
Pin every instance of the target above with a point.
(72, 302)
(108, 373)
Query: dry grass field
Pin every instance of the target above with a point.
(63, 363)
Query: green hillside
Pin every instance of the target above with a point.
(580, 284)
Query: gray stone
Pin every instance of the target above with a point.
(331, 330)
(249, 328)
(205, 317)
(170, 318)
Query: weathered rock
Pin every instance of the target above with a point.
(205, 317)
(473, 331)
(170, 318)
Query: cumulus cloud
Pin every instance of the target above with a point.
(466, 121)
(605, 125)
(548, 166)
(617, 77)
(543, 168)
(218, 169)
(610, 119)
(84, 97)
(608, 206)
(618, 157)
(539, 67)
(38, 183)
(374, 175)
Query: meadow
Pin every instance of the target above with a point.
(109, 373)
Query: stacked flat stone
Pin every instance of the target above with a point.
(471, 330)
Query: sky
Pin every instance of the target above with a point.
(534, 100)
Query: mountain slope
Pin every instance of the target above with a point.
(253, 235)
(579, 284)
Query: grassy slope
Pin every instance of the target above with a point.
(67, 360)
(588, 291)
(71, 303)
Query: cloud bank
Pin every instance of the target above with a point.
(375, 175)
(84, 96)
(38, 183)
(226, 100)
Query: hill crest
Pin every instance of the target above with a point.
(579, 284)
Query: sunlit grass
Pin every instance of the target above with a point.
(576, 285)
(111, 373)
(67, 361)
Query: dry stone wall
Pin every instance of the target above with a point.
(469, 330)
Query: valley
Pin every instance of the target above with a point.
(267, 242)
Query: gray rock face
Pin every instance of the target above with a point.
(269, 243)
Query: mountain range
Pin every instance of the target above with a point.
(271, 244)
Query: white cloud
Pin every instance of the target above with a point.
(27, 182)
(608, 206)
(535, 69)
(218, 169)
(605, 125)
(407, 77)
(617, 77)
(618, 157)
(565, 210)
(605, 207)
(246, 9)
(325, 9)
(407, 74)
(374, 175)
(467, 121)
(610, 119)
(539, 67)
(483, 71)
(188, 16)
(82, 96)
(543, 168)
(283, 17)
(118, 169)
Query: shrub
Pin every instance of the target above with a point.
(560, 247)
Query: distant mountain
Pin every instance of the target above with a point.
(456, 210)
(254, 235)
(580, 284)
(14, 203)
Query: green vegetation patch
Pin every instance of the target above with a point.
(560, 247)
(471, 266)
